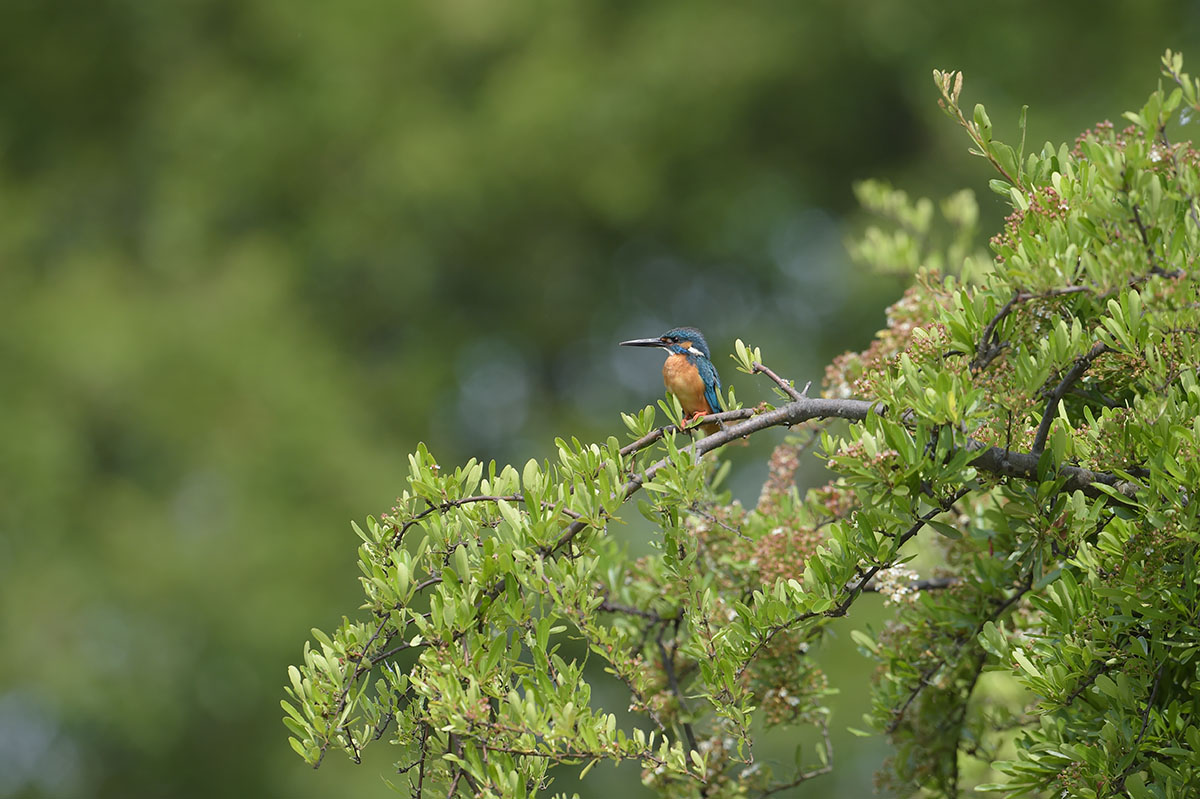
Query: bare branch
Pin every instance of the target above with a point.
(1150, 704)
(786, 385)
(608, 606)
(442, 507)
(658, 432)
(1073, 374)
(932, 584)
(1023, 465)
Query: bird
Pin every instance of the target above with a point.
(688, 373)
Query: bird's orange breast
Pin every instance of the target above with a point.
(684, 381)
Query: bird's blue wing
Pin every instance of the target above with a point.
(712, 384)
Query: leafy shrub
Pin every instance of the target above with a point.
(1033, 417)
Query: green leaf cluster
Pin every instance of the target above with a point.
(1026, 431)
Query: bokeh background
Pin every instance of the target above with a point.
(253, 251)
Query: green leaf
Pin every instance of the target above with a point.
(982, 123)
(993, 640)
(865, 641)
(1006, 159)
(510, 514)
(462, 562)
(1107, 687)
(292, 711)
(1024, 662)
(1135, 786)
(531, 476)
(300, 748)
(948, 530)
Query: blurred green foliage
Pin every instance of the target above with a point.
(251, 252)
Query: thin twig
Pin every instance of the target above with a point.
(923, 681)
(923, 520)
(417, 794)
(458, 775)
(397, 650)
(1073, 374)
(628, 675)
(1137, 745)
(613, 607)
(494, 732)
(668, 659)
(442, 507)
(932, 584)
(708, 517)
(737, 414)
(854, 591)
(986, 351)
(808, 775)
(786, 385)
(1150, 255)
(961, 718)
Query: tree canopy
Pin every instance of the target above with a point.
(1013, 463)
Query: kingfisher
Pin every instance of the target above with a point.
(689, 373)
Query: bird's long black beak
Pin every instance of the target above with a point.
(643, 342)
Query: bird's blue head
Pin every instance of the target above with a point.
(682, 340)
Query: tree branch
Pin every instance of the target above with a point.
(932, 584)
(1024, 465)
(960, 719)
(668, 659)
(786, 385)
(912, 531)
(1137, 745)
(442, 507)
(419, 791)
(614, 607)
(1073, 374)
(1002, 462)
(986, 351)
(1145, 236)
